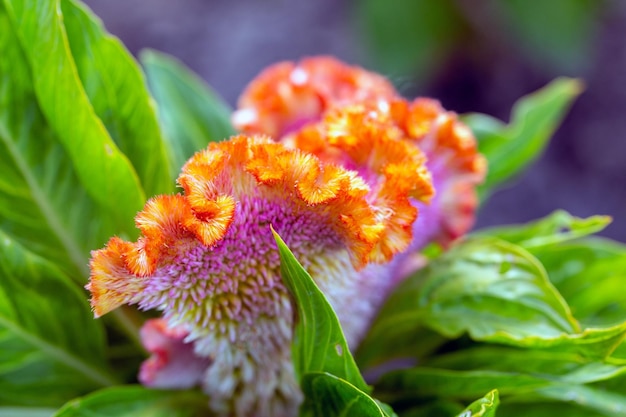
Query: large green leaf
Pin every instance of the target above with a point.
(43, 203)
(565, 366)
(330, 396)
(516, 388)
(483, 407)
(133, 401)
(51, 348)
(558, 227)
(104, 172)
(498, 292)
(534, 119)
(605, 402)
(190, 112)
(117, 91)
(489, 288)
(319, 344)
(590, 274)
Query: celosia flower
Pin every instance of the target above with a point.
(370, 106)
(454, 162)
(208, 261)
(286, 95)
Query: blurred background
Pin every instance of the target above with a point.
(473, 55)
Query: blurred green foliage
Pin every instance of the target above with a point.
(415, 38)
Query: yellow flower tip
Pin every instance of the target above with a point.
(210, 225)
(110, 283)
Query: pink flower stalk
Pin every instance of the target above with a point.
(208, 261)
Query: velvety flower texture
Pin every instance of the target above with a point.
(208, 261)
(353, 177)
(354, 103)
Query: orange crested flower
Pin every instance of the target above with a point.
(365, 140)
(449, 147)
(454, 161)
(208, 261)
(288, 95)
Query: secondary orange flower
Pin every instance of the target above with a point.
(288, 95)
(336, 131)
(208, 261)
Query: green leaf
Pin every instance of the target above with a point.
(539, 408)
(515, 388)
(423, 382)
(132, 401)
(559, 365)
(319, 344)
(483, 407)
(434, 408)
(43, 202)
(330, 396)
(590, 274)
(117, 91)
(557, 368)
(26, 412)
(560, 226)
(606, 402)
(498, 292)
(51, 348)
(534, 119)
(104, 172)
(489, 288)
(190, 112)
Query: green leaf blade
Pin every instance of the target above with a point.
(534, 119)
(560, 226)
(590, 273)
(488, 288)
(425, 382)
(104, 172)
(132, 400)
(320, 345)
(328, 395)
(191, 114)
(483, 407)
(52, 349)
(43, 202)
(117, 90)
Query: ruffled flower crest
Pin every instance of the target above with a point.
(452, 158)
(207, 259)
